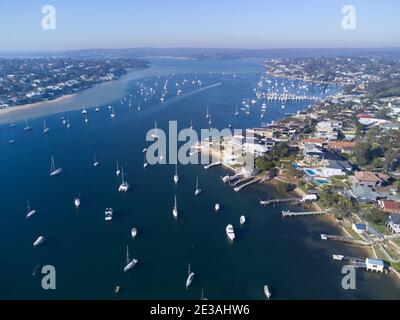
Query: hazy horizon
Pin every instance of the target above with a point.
(250, 25)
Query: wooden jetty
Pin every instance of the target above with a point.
(273, 201)
(288, 214)
(237, 189)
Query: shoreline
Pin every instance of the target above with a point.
(36, 105)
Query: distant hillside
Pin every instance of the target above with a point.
(212, 53)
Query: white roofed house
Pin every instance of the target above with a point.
(333, 168)
(393, 223)
(375, 265)
(328, 129)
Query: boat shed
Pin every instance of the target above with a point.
(375, 265)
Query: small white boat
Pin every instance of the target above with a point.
(108, 214)
(197, 190)
(229, 232)
(77, 202)
(95, 162)
(129, 263)
(84, 111)
(242, 220)
(54, 171)
(124, 187)
(118, 172)
(68, 123)
(11, 141)
(267, 292)
(202, 295)
(30, 212)
(38, 241)
(175, 209)
(97, 109)
(27, 126)
(189, 279)
(217, 207)
(176, 177)
(134, 233)
(154, 135)
(112, 115)
(45, 128)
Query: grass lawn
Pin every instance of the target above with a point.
(380, 228)
(354, 234)
(396, 265)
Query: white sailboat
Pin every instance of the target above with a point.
(54, 171)
(124, 187)
(133, 233)
(202, 295)
(217, 207)
(45, 128)
(154, 135)
(77, 202)
(176, 177)
(95, 163)
(108, 214)
(236, 112)
(189, 279)
(145, 163)
(197, 191)
(118, 172)
(30, 212)
(207, 114)
(68, 123)
(112, 115)
(175, 209)
(242, 220)
(229, 232)
(129, 263)
(267, 292)
(27, 126)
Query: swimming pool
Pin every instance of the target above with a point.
(310, 172)
(321, 182)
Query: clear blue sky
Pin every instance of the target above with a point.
(197, 23)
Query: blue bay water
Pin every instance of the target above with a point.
(89, 254)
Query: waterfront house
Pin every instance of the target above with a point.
(312, 153)
(342, 146)
(375, 265)
(363, 194)
(370, 179)
(333, 168)
(389, 206)
(394, 223)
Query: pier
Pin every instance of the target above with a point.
(283, 200)
(237, 189)
(244, 180)
(350, 240)
(288, 214)
(227, 178)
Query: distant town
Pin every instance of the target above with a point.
(30, 80)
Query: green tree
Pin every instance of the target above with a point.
(363, 154)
